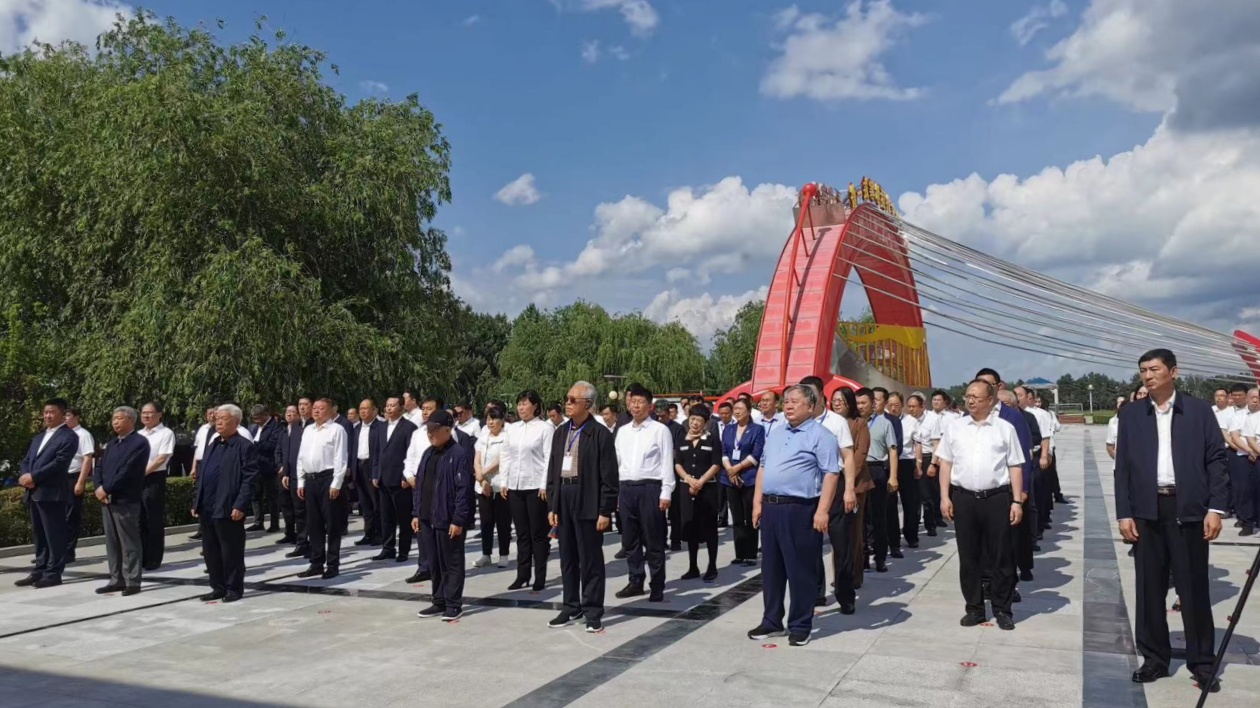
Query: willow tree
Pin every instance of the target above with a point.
(190, 221)
(550, 350)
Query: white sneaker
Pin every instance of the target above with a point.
(503, 562)
(482, 562)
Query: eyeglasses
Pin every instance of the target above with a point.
(975, 398)
(574, 401)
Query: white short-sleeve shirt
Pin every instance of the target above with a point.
(982, 452)
(161, 442)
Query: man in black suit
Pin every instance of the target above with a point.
(224, 485)
(392, 438)
(352, 448)
(268, 435)
(45, 473)
(1172, 488)
(293, 505)
(582, 486)
(366, 440)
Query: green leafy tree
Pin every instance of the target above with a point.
(734, 348)
(193, 222)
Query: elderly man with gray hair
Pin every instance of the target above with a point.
(221, 501)
(119, 483)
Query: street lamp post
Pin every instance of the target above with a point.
(1091, 398)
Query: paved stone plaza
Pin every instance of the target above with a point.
(355, 640)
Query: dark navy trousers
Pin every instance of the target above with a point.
(790, 549)
(1241, 480)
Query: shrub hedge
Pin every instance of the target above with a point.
(15, 520)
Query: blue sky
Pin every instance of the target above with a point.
(633, 104)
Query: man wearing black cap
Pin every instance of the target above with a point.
(443, 508)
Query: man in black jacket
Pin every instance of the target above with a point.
(268, 435)
(118, 482)
(224, 484)
(1172, 488)
(44, 473)
(582, 485)
(287, 462)
(366, 439)
(392, 440)
(443, 508)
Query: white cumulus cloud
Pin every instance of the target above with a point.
(832, 59)
(639, 15)
(703, 315)
(590, 51)
(374, 86)
(1037, 19)
(54, 21)
(519, 192)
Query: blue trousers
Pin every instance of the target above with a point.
(790, 549)
(1242, 478)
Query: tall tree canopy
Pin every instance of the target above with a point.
(731, 361)
(189, 221)
(548, 351)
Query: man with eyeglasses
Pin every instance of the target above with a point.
(582, 490)
(981, 465)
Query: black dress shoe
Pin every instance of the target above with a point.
(131, 590)
(311, 572)
(657, 596)
(518, 584)
(847, 608)
(710, 575)
(107, 589)
(154, 566)
(538, 585)
(195, 537)
(274, 528)
(401, 559)
(419, 578)
(211, 597)
(254, 527)
(286, 540)
(1247, 531)
(231, 597)
(881, 567)
(47, 582)
(820, 601)
(1201, 678)
(70, 557)
(896, 554)
(691, 574)
(365, 541)
(1026, 576)
(620, 555)
(295, 553)
(28, 581)
(675, 547)
(629, 591)
(1150, 672)
(1005, 621)
(1016, 597)
(972, 619)
(1060, 499)
(330, 573)
(383, 555)
(931, 532)
(912, 544)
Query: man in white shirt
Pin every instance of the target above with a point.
(364, 448)
(466, 422)
(1251, 438)
(80, 471)
(981, 462)
(555, 416)
(925, 440)
(907, 470)
(1243, 463)
(304, 411)
(1224, 412)
(153, 499)
(645, 457)
(1239, 483)
(322, 465)
(412, 411)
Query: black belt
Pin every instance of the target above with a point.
(319, 475)
(784, 499)
(983, 494)
(876, 463)
(569, 480)
(1166, 491)
(640, 482)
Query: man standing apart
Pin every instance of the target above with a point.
(153, 501)
(268, 435)
(221, 501)
(1171, 490)
(118, 483)
(582, 490)
(45, 474)
(981, 464)
(322, 464)
(80, 472)
(443, 509)
(800, 470)
(645, 458)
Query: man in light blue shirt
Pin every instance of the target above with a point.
(881, 461)
(792, 503)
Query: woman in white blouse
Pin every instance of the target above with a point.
(523, 461)
(493, 505)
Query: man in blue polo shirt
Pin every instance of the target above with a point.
(800, 469)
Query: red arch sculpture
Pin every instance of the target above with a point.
(829, 241)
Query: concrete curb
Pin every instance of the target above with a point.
(28, 550)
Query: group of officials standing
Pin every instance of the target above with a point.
(794, 478)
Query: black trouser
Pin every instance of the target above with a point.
(324, 519)
(841, 529)
(153, 519)
(446, 563)
(911, 507)
(644, 533)
(496, 517)
(223, 544)
(1025, 537)
(982, 528)
(702, 527)
(1164, 544)
(295, 514)
(369, 501)
(533, 540)
(48, 522)
(881, 509)
(1044, 496)
(676, 534)
(1241, 469)
(581, 557)
(1052, 477)
(74, 524)
(396, 514)
(723, 505)
(790, 563)
(930, 497)
(741, 504)
(267, 498)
